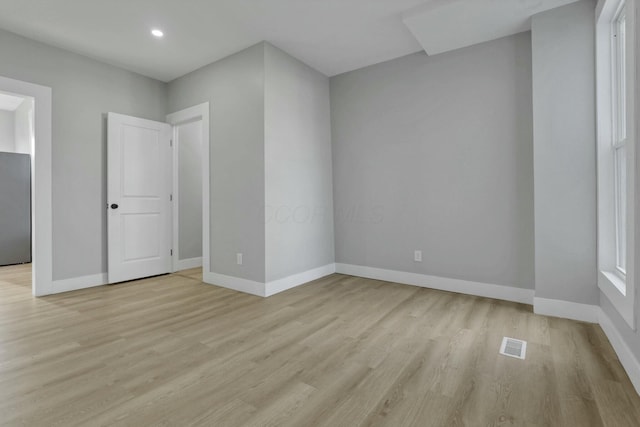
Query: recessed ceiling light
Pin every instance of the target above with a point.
(157, 33)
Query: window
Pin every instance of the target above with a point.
(615, 65)
(619, 137)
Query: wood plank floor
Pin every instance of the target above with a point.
(341, 351)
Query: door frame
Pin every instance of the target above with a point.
(41, 199)
(197, 112)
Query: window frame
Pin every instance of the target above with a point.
(619, 138)
(615, 74)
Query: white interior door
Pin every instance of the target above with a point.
(138, 197)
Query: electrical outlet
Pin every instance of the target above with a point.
(239, 258)
(417, 256)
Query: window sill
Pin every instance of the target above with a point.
(616, 281)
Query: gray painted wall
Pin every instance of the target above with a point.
(84, 90)
(298, 177)
(435, 153)
(234, 87)
(7, 131)
(565, 153)
(190, 189)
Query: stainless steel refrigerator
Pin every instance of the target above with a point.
(15, 208)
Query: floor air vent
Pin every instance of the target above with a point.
(513, 348)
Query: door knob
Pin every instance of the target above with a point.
(114, 206)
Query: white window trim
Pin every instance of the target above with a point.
(616, 287)
(619, 136)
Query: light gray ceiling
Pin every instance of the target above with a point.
(444, 25)
(333, 36)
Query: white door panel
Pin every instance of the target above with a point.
(139, 184)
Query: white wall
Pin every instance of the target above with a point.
(7, 131)
(234, 87)
(435, 153)
(189, 146)
(84, 90)
(298, 177)
(565, 153)
(24, 127)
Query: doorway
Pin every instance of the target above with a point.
(155, 185)
(16, 149)
(190, 187)
(31, 136)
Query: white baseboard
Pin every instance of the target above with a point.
(628, 360)
(235, 283)
(280, 285)
(270, 288)
(78, 283)
(185, 264)
(506, 293)
(566, 309)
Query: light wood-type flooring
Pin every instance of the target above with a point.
(340, 351)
